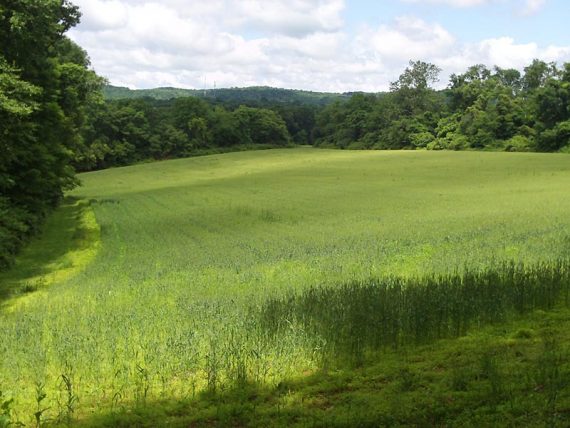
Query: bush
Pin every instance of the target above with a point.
(422, 139)
(452, 141)
(518, 143)
(14, 228)
(358, 145)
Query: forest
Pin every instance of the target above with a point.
(481, 109)
(56, 120)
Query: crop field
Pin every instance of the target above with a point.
(164, 280)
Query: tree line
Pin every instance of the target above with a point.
(122, 132)
(483, 108)
(493, 109)
(45, 87)
(258, 95)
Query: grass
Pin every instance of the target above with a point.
(69, 241)
(515, 374)
(348, 321)
(167, 316)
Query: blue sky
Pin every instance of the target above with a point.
(328, 45)
(549, 25)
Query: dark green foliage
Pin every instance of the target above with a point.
(394, 312)
(258, 96)
(300, 121)
(404, 118)
(497, 109)
(128, 131)
(260, 126)
(45, 86)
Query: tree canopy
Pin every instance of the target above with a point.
(497, 109)
(45, 85)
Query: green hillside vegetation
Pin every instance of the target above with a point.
(300, 286)
(45, 86)
(234, 96)
(482, 109)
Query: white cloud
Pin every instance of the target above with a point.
(503, 52)
(407, 37)
(291, 17)
(532, 7)
(286, 43)
(102, 14)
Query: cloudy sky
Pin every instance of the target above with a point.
(323, 45)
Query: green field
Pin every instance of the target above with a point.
(161, 297)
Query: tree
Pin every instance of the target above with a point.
(261, 126)
(418, 76)
(537, 73)
(43, 87)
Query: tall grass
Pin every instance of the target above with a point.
(191, 250)
(393, 312)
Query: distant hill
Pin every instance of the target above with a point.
(251, 95)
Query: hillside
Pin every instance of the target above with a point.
(251, 95)
(244, 288)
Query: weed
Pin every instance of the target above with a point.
(41, 395)
(70, 397)
(142, 384)
(460, 378)
(551, 378)
(6, 412)
(407, 380)
(392, 312)
(489, 370)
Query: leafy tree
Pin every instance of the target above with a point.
(261, 126)
(417, 76)
(44, 83)
(413, 89)
(509, 78)
(300, 121)
(537, 73)
(467, 87)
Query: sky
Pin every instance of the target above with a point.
(318, 45)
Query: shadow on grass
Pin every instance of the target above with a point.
(392, 357)
(495, 377)
(350, 320)
(322, 399)
(63, 233)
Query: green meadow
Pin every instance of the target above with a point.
(158, 292)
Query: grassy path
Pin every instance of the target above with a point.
(68, 242)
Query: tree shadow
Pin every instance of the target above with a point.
(315, 400)
(62, 233)
(444, 385)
